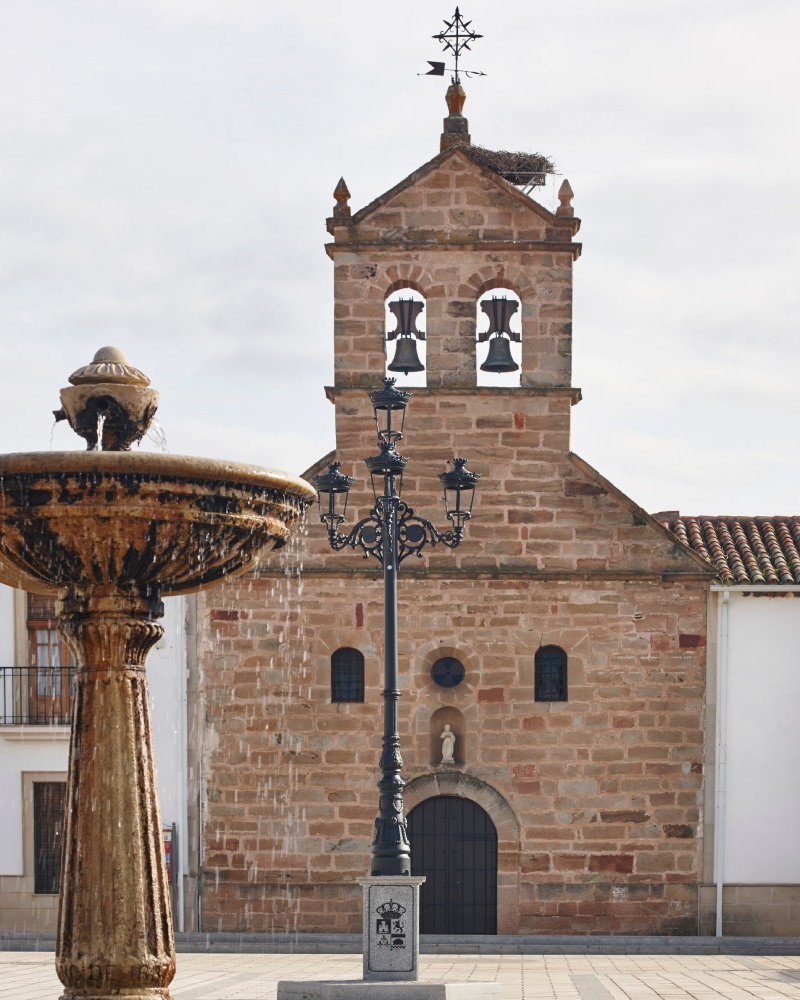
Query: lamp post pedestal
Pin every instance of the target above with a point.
(391, 927)
(391, 953)
(360, 989)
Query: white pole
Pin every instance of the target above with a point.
(181, 848)
(722, 738)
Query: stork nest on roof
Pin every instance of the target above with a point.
(523, 169)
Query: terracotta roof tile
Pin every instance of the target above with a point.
(743, 549)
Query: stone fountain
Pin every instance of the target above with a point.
(111, 531)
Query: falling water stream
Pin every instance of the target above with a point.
(101, 422)
(269, 623)
(155, 432)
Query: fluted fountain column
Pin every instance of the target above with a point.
(115, 922)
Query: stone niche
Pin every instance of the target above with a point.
(447, 715)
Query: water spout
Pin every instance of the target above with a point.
(111, 388)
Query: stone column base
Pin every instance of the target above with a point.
(144, 994)
(358, 989)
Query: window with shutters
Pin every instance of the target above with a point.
(347, 675)
(52, 670)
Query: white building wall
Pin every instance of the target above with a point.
(166, 678)
(18, 756)
(762, 730)
(46, 749)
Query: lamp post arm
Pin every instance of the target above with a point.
(367, 535)
(412, 534)
(415, 533)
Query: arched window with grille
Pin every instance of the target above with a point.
(550, 674)
(347, 675)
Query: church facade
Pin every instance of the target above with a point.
(563, 644)
(597, 712)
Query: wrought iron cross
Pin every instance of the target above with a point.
(455, 38)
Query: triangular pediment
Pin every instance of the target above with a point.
(439, 165)
(580, 525)
(451, 198)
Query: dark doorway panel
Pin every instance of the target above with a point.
(454, 845)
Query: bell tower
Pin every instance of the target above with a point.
(457, 227)
(463, 233)
(461, 225)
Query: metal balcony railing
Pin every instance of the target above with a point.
(35, 696)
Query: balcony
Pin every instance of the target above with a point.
(35, 696)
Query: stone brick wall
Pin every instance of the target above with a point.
(597, 800)
(604, 788)
(603, 791)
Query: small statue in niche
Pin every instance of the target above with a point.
(448, 739)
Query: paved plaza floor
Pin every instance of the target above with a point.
(31, 975)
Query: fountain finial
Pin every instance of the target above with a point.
(108, 403)
(109, 366)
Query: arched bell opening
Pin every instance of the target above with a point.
(405, 337)
(498, 350)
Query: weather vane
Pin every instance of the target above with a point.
(455, 38)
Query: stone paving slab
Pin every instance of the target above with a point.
(495, 944)
(31, 975)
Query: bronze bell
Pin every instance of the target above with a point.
(499, 357)
(405, 357)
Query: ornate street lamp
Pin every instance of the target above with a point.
(391, 533)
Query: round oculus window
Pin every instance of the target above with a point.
(447, 672)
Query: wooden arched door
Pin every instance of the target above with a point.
(454, 845)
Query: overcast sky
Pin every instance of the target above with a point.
(166, 169)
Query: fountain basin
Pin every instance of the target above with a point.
(110, 532)
(150, 523)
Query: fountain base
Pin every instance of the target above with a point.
(144, 994)
(359, 989)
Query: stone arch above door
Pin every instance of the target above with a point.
(427, 786)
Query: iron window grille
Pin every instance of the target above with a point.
(347, 675)
(49, 802)
(447, 672)
(550, 674)
(34, 696)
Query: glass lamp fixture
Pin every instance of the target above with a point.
(459, 491)
(331, 486)
(381, 467)
(389, 405)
